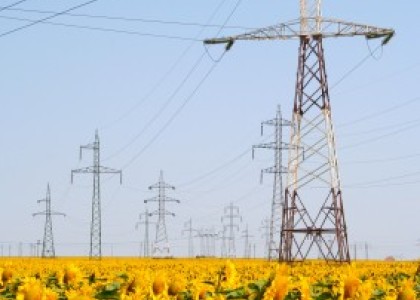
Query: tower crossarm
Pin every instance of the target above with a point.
(52, 213)
(165, 199)
(161, 185)
(272, 145)
(329, 28)
(162, 212)
(92, 170)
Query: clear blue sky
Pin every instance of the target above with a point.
(58, 84)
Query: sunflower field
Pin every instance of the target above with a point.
(81, 279)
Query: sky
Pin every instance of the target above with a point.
(161, 101)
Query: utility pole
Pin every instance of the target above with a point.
(307, 228)
(96, 222)
(278, 170)
(247, 245)
(48, 250)
(231, 215)
(265, 228)
(144, 220)
(366, 250)
(189, 229)
(161, 245)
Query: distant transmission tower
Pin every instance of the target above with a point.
(96, 170)
(278, 170)
(265, 228)
(231, 216)
(144, 220)
(48, 250)
(221, 235)
(312, 217)
(207, 242)
(247, 245)
(190, 230)
(161, 245)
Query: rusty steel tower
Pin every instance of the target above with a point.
(313, 219)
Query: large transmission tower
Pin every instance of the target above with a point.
(278, 170)
(161, 245)
(231, 216)
(96, 223)
(312, 217)
(144, 220)
(48, 250)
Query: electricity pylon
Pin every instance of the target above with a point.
(246, 236)
(231, 214)
(48, 250)
(190, 230)
(144, 220)
(96, 223)
(161, 245)
(265, 228)
(207, 242)
(312, 217)
(278, 170)
(221, 235)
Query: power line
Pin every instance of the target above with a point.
(370, 140)
(357, 66)
(169, 72)
(104, 29)
(161, 110)
(171, 119)
(373, 130)
(187, 100)
(381, 112)
(12, 5)
(128, 19)
(35, 22)
(381, 160)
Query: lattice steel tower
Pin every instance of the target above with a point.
(48, 250)
(231, 216)
(96, 170)
(144, 220)
(161, 245)
(277, 170)
(190, 230)
(313, 216)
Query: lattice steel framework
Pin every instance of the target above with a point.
(313, 214)
(190, 230)
(277, 170)
(144, 220)
(230, 225)
(161, 246)
(48, 249)
(96, 223)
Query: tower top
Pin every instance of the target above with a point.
(310, 24)
(310, 15)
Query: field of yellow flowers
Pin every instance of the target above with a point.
(127, 279)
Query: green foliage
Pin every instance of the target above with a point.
(109, 291)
